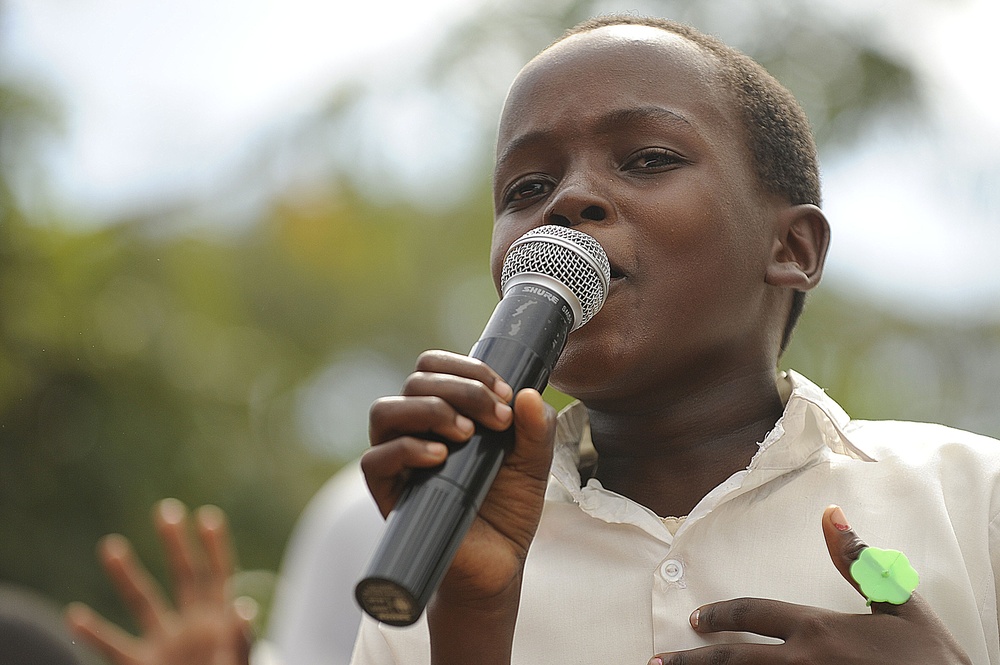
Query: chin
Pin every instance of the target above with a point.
(583, 370)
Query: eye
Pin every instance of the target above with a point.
(526, 189)
(653, 159)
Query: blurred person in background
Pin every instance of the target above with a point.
(314, 619)
(32, 633)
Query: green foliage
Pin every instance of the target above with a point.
(882, 365)
(136, 368)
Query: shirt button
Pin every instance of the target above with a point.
(672, 570)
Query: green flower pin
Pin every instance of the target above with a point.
(885, 576)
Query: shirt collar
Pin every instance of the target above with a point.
(812, 425)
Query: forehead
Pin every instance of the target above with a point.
(613, 69)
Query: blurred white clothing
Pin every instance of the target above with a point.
(315, 618)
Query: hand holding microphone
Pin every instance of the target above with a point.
(554, 280)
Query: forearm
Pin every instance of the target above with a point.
(482, 631)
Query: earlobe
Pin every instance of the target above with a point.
(802, 236)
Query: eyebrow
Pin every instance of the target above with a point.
(606, 123)
(637, 114)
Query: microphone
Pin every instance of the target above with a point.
(554, 280)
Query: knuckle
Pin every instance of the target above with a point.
(814, 626)
(445, 362)
(413, 383)
(379, 407)
(852, 548)
(738, 611)
(815, 632)
(381, 417)
(437, 408)
(428, 359)
(477, 393)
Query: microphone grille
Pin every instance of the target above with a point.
(572, 258)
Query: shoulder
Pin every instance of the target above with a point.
(916, 441)
(962, 468)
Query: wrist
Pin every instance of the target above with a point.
(461, 625)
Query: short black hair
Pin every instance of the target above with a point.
(778, 133)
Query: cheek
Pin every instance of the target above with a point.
(498, 249)
(506, 230)
(702, 237)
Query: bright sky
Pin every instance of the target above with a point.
(161, 95)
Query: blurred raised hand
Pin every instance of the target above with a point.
(203, 625)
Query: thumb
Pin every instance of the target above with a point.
(535, 425)
(844, 545)
(887, 575)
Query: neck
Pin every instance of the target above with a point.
(669, 451)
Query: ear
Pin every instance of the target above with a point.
(801, 238)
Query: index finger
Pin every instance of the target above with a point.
(763, 616)
(446, 362)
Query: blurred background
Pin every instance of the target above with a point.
(226, 227)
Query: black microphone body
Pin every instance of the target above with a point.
(555, 279)
(521, 342)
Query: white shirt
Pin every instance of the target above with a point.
(606, 579)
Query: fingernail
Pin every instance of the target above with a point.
(211, 517)
(78, 614)
(502, 389)
(464, 425)
(246, 608)
(695, 616)
(113, 544)
(655, 660)
(839, 520)
(437, 449)
(503, 411)
(172, 511)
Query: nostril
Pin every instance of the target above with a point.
(594, 213)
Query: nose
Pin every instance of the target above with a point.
(577, 201)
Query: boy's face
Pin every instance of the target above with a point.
(627, 133)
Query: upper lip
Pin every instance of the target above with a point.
(616, 269)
